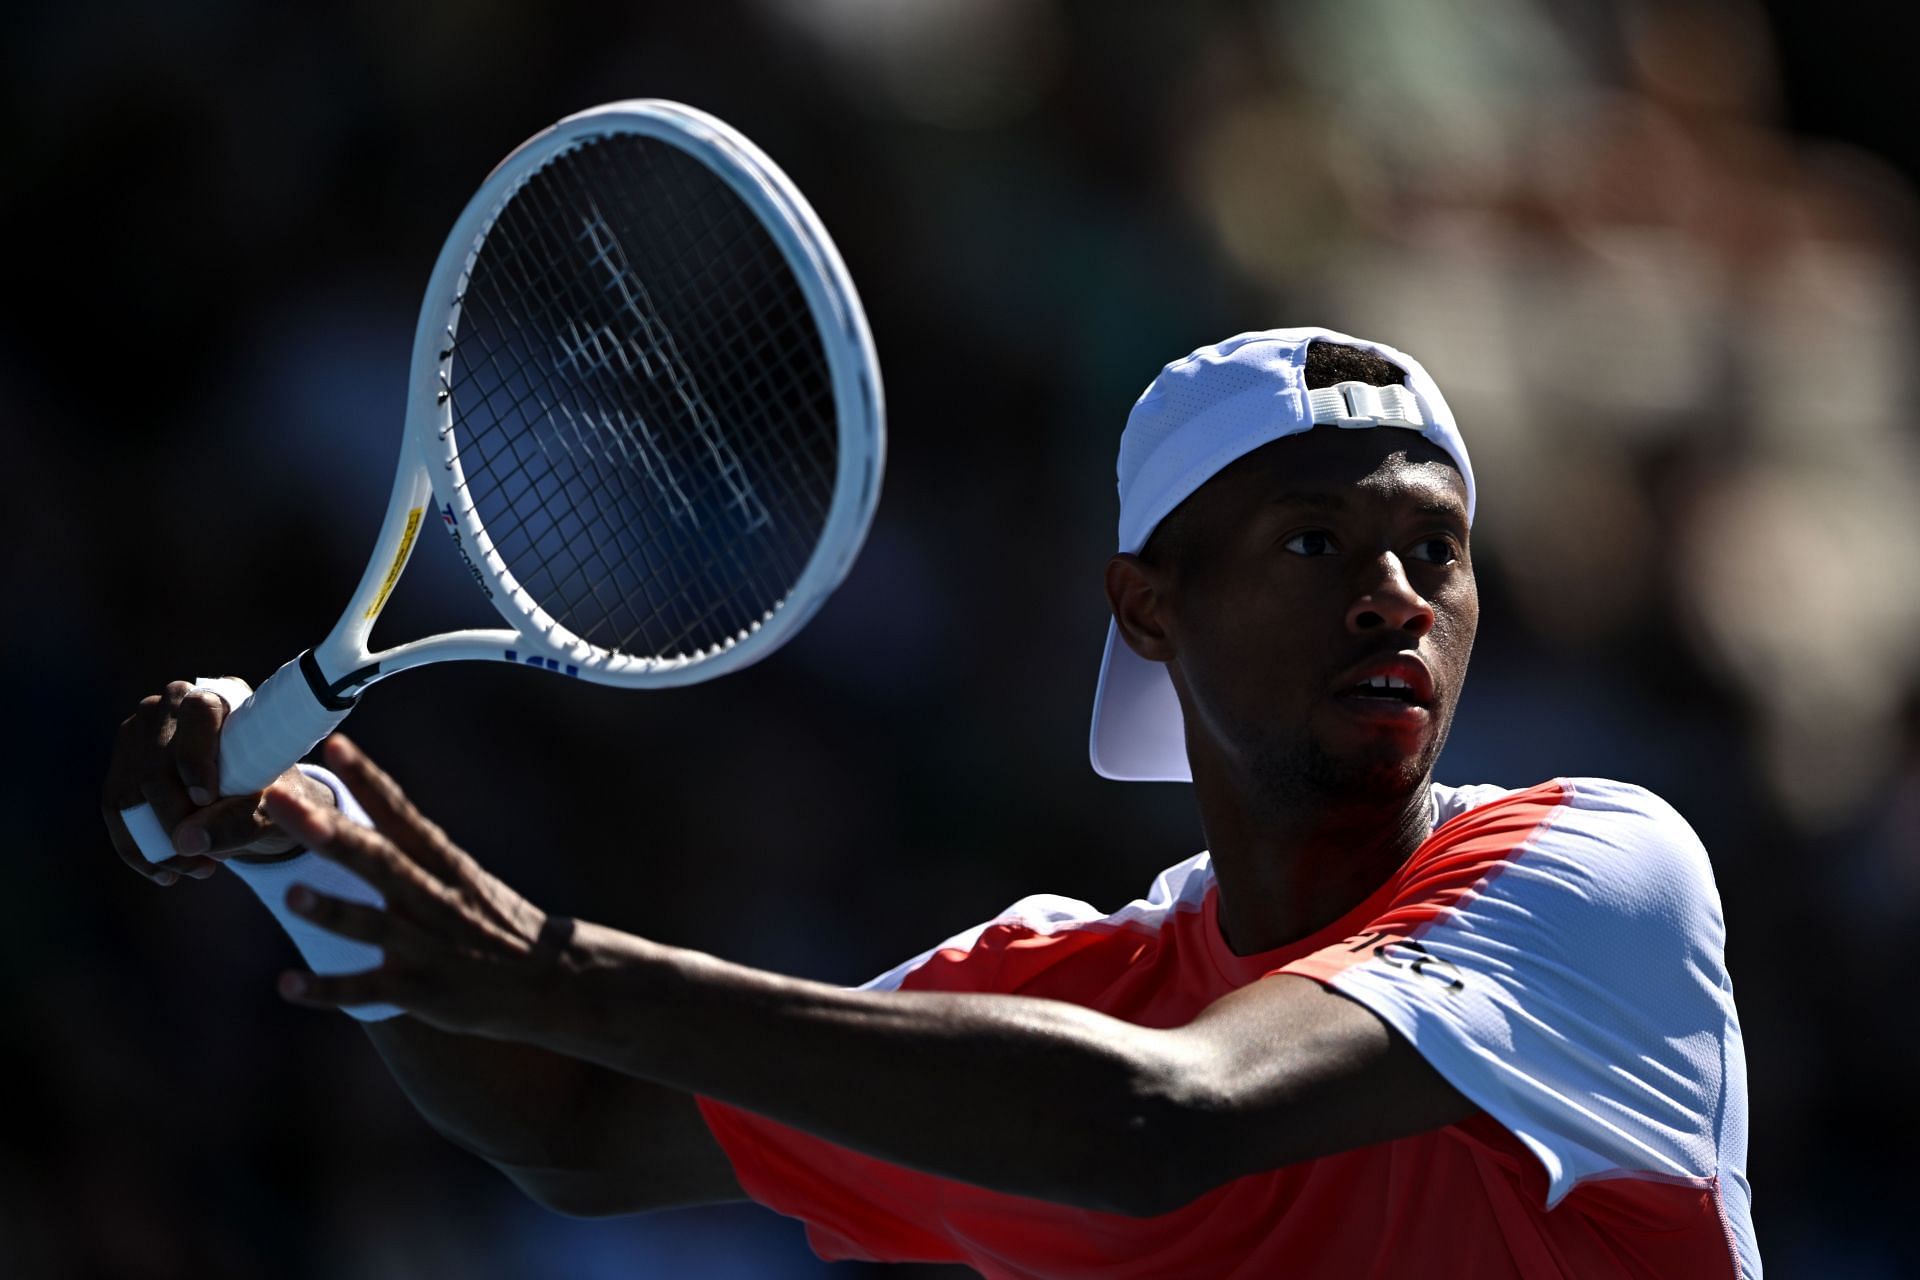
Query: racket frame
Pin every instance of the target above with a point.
(430, 484)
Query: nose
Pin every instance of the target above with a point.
(1388, 600)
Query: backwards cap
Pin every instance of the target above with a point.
(1202, 413)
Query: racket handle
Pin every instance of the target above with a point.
(265, 735)
(261, 739)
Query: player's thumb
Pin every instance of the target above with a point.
(227, 826)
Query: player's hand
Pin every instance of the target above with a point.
(167, 754)
(461, 950)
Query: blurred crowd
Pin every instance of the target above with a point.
(1675, 321)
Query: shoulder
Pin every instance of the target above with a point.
(1627, 802)
(1635, 835)
(1591, 847)
(1600, 811)
(1616, 856)
(1646, 858)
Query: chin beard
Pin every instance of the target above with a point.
(1302, 771)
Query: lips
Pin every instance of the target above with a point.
(1394, 678)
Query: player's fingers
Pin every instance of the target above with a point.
(160, 784)
(354, 920)
(122, 791)
(374, 986)
(367, 854)
(137, 774)
(122, 787)
(175, 693)
(388, 806)
(161, 873)
(164, 872)
(228, 826)
(169, 799)
(196, 744)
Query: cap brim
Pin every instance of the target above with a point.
(1138, 734)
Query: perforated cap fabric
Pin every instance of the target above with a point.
(1203, 412)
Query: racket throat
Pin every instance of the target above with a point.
(335, 695)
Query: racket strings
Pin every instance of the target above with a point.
(581, 569)
(727, 464)
(739, 401)
(569, 524)
(630, 447)
(757, 305)
(708, 563)
(782, 346)
(634, 298)
(642, 406)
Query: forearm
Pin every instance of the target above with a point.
(575, 1136)
(1032, 1097)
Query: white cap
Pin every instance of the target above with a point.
(1203, 412)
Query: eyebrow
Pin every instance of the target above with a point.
(1319, 500)
(1311, 499)
(1453, 509)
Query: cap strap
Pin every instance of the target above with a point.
(1359, 404)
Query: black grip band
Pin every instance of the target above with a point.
(327, 695)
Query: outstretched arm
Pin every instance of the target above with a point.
(1032, 1097)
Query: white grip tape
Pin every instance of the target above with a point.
(146, 831)
(325, 953)
(270, 730)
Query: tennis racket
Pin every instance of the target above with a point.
(645, 407)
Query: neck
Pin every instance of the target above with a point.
(1289, 868)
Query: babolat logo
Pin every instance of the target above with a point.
(460, 545)
(547, 664)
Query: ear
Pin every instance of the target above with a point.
(1138, 594)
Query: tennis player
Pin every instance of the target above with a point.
(1382, 1026)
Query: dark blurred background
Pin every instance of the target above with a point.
(1660, 256)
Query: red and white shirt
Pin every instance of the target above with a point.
(1556, 953)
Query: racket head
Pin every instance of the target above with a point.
(700, 492)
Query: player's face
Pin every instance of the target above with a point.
(1307, 575)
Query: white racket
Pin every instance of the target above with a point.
(644, 404)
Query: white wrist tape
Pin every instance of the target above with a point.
(325, 953)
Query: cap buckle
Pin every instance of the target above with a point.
(1358, 404)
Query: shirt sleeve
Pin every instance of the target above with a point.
(1559, 958)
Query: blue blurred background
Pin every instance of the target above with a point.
(1660, 255)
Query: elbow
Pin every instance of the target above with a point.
(573, 1194)
(553, 1177)
(1170, 1154)
(1157, 1187)
(1150, 1181)
(568, 1206)
(1177, 1144)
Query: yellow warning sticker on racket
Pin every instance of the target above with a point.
(399, 562)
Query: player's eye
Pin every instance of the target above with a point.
(1311, 542)
(1435, 550)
